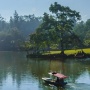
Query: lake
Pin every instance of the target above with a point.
(20, 73)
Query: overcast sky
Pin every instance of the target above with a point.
(38, 7)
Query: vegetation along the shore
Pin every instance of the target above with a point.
(68, 52)
(61, 30)
(56, 32)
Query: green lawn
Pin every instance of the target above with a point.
(69, 51)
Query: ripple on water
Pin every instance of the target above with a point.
(77, 86)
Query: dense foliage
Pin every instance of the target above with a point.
(82, 29)
(14, 33)
(56, 29)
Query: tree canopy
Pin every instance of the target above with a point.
(15, 32)
(56, 28)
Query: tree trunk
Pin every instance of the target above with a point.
(62, 44)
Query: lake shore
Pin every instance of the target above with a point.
(79, 53)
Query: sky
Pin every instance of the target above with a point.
(38, 7)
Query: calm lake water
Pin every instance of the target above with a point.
(19, 73)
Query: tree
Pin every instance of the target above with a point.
(87, 39)
(58, 25)
(45, 31)
(65, 20)
(87, 24)
(16, 19)
(11, 22)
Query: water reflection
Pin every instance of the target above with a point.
(19, 73)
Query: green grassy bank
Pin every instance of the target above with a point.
(68, 52)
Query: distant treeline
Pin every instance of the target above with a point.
(15, 33)
(82, 29)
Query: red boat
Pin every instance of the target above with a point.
(57, 82)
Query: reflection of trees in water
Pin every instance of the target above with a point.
(38, 68)
(76, 67)
(71, 68)
(20, 68)
(11, 65)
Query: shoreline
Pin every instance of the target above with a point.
(57, 56)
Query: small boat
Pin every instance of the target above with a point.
(57, 82)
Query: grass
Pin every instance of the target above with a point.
(68, 52)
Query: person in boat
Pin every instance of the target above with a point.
(54, 73)
(59, 80)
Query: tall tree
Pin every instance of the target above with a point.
(65, 19)
(57, 27)
(16, 19)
